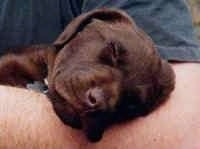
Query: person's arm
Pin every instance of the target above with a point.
(27, 120)
(174, 125)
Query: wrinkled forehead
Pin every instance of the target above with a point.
(121, 33)
(89, 42)
(97, 34)
(87, 45)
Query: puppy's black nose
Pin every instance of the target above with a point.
(95, 98)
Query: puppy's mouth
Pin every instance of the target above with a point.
(94, 123)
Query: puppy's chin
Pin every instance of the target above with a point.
(94, 124)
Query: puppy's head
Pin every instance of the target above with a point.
(103, 55)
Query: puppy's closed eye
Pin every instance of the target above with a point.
(113, 55)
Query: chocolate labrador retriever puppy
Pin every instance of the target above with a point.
(101, 70)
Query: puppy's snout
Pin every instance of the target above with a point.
(95, 98)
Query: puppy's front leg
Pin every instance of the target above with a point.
(24, 65)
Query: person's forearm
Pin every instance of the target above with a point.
(27, 121)
(174, 125)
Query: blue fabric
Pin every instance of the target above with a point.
(168, 22)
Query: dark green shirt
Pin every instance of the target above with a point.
(168, 22)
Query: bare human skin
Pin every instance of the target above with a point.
(174, 125)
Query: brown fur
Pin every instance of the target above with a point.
(102, 69)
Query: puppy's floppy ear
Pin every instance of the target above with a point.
(78, 24)
(142, 99)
